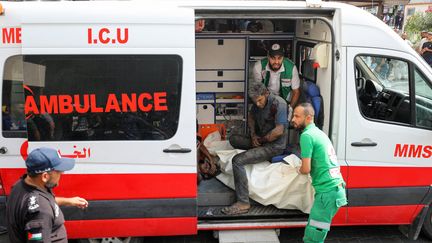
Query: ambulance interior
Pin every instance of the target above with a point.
(226, 50)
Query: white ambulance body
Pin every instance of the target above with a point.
(117, 86)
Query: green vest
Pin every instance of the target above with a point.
(284, 91)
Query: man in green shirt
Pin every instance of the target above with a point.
(319, 159)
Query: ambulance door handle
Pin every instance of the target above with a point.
(177, 149)
(364, 144)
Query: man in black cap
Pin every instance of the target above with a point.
(32, 210)
(279, 75)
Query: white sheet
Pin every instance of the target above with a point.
(278, 184)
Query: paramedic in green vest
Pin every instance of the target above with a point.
(279, 75)
(319, 159)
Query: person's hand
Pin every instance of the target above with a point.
(78, 202)
(213, 168)
(255, 141)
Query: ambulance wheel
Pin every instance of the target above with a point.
(427, 225)
(113, 240)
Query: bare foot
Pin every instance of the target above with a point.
(236, 208)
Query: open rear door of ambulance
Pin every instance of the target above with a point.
(112, 85)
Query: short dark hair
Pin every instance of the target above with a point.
(257, 89)
(34, 175)
(307, 109)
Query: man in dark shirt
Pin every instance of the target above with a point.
(32, 210)
(426, 49)
(267, 121)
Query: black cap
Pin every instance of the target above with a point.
(47, 159)
(276, 49)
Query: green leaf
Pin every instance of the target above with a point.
(416, 23)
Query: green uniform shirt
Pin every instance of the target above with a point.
(325, 171)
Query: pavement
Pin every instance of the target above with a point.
(369, 234)
(359, 234)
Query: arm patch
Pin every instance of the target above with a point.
(34, 231)
(33, 203)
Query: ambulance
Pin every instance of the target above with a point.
(121, 86)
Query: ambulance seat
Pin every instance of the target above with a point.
(313, 96)
(310, 93)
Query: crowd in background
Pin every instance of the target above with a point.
(424, 47)
(394, 20)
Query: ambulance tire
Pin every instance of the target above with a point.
(427, 225)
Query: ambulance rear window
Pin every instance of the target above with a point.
(102, 97)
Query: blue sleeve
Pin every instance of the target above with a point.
(281, 114)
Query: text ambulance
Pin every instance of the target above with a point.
(119, 86)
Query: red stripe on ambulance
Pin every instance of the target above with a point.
(117, 186)
(131, 227)
(124, 186)
(379, 215)
(374, 176)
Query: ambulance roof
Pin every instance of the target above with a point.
(357, 27)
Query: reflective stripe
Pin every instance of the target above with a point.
(318, 224)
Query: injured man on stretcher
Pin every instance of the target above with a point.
(243, 162)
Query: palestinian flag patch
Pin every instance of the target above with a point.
(36, 236)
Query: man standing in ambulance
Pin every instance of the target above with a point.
(279, 75)
(267, 121)
(319, 159)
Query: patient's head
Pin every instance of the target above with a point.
(259, 93)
